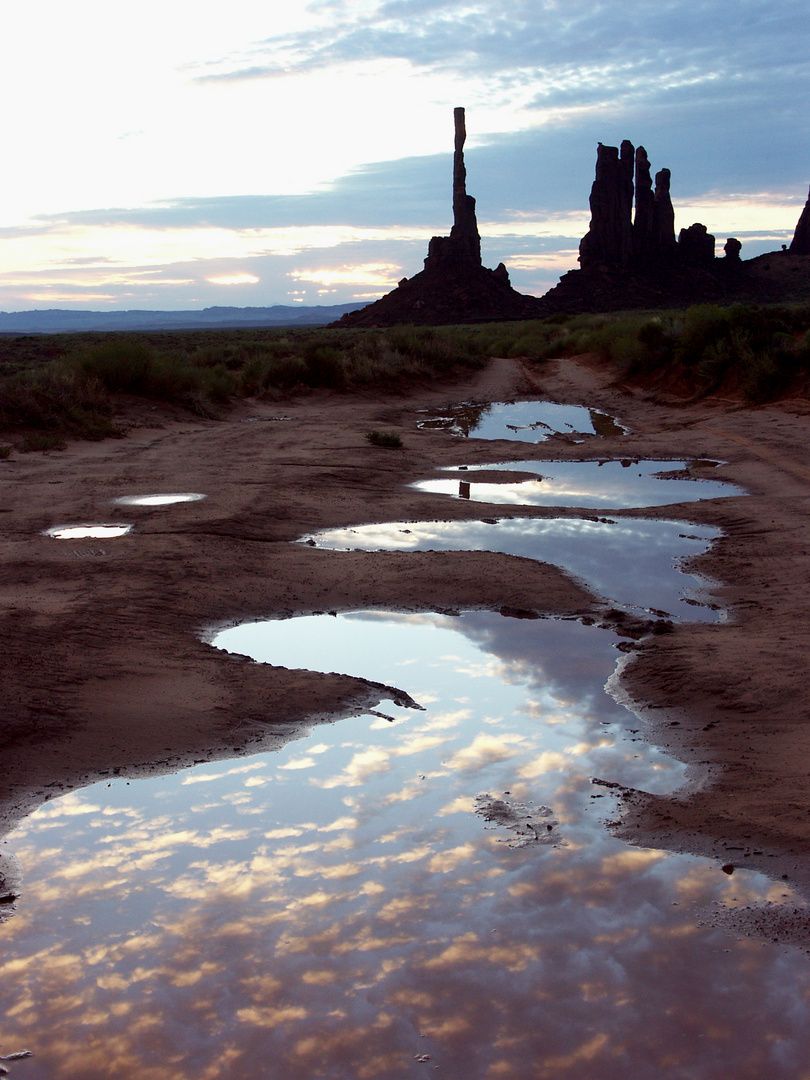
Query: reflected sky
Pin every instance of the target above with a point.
(522, 421)
(159, 500)
(87, 532)
(601, 485)
(633, 563)
(339, 909)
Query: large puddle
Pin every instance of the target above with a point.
(592, 484)
(632, 562)
(416, 891)
(389, 898)
(523, 421)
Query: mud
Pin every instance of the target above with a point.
(129, 688)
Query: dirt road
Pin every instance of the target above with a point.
(106, 670)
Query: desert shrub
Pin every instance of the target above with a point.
(5, 451)
(42, 441)
(324, 366)
(383, 438)
(120, 364)
(56, 398)
(703, 326)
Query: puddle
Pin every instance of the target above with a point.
(158, 500)
(591, 484)
(523, 421)
(87, 532)
(371, 901)
(633, 562)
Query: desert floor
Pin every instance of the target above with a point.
(106, 670)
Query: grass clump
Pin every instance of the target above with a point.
(383, 438)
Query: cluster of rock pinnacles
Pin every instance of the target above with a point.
(617, 237)
(631, 236)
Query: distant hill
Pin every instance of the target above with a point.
(62, 320)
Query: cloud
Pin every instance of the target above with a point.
(572, 52)
(363, 91)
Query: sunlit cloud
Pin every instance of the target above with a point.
(383, 275)
(484, 750)
(234, 279)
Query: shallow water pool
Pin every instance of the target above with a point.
(631, 562)
(159, 500)
(603, 485)
(87, 532)
(523, 421)
(389, 898)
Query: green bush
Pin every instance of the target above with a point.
(56, 398)
(122, 365)
(384, 438)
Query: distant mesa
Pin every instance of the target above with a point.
(65, 321)
(454, 286)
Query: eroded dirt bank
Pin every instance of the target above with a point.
(105, 672)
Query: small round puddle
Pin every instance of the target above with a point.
(86, 532)
(158, 500)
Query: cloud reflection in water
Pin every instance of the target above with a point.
(523, 421)
(313, 927)
(597, 485)
(632, 562)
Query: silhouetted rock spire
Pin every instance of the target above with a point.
(464, 242)
(644, 221)
(465, 227)
(664, 217)
(800, 245)
(454, 285)
(609, 240)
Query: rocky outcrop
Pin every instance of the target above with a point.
(664, 229)
(454, 286)
(629, 258)
(619, 239)
(696, 245)
(609, 240)
(800, 244)
(732, 248)
(644, 223)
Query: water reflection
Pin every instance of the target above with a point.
(634, 563)
(338, 909)
(87, 532)
(594, 484)
(523, 421)
(159, 500)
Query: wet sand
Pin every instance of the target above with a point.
(105, 671)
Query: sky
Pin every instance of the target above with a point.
(175, 155)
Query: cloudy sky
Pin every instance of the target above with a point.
(170, 154)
